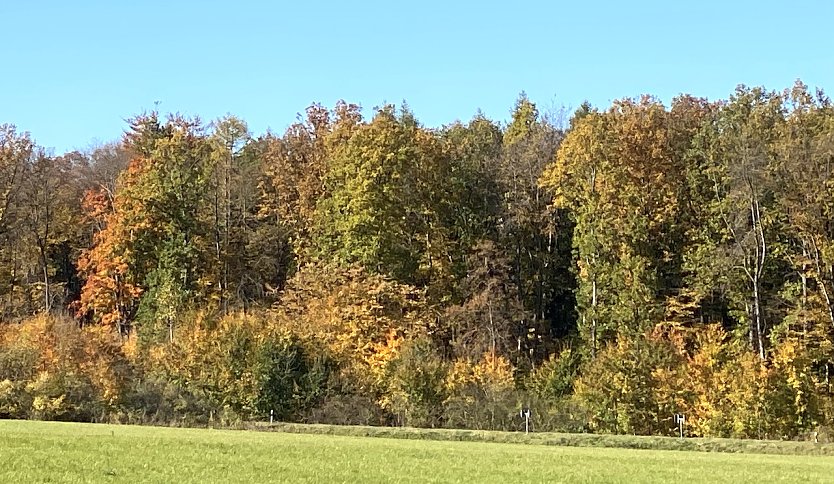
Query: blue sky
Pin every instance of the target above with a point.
(71, 72)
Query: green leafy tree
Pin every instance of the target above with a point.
(804, 197)
(154, 238)
(378, 210)
(534, 237)
(292, 172)
(617, 177)
(16, 152)
(230, 192)
(745, 242)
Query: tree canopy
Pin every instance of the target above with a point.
(609, 267)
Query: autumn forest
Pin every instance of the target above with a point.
(605, 267)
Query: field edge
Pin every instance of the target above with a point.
(723, 445)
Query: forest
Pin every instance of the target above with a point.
(606, 268)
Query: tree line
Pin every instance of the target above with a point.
(607, 268)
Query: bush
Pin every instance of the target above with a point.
(159, 401)
(66, 396)
(288, 381)
(482, 396)
(558, 415)
(623, 387)
(18, 366)
(18, 363)
(348, 409)
(416, 389)
(554, 378)
(15, 401)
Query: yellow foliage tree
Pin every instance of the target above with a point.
(356, 318)
(481, 394)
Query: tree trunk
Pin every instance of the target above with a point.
(758, 271)
(491, 329)
(594, 318)
(822, 284)
(757, 312)
(47, 297)
(227, 216)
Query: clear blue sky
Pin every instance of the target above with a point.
(71, 72)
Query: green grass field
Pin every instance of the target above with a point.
(62, 452)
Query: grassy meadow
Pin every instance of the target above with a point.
(68, 452)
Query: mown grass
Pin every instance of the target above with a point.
(58, 452)
(747, 446)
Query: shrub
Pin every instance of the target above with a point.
(482, 396)
(620, 387)
(416, 389)
(156, 400)
(18, 363)
(347, 409)
(288, 380)
(15, 401)
(66, 396)
(554, 378)
(564, 414)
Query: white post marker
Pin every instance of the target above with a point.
(525, 414)
(680, 419)
(271, 415)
